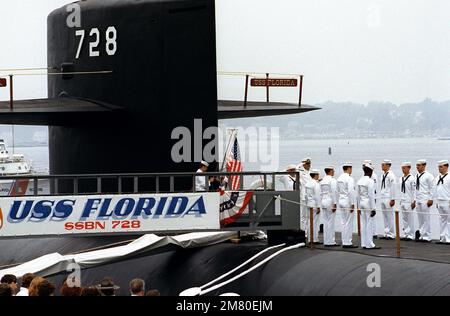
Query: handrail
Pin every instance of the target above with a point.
(71, 183)
(125, 175)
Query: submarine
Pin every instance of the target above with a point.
(127, 73)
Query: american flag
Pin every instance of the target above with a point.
(234, 164)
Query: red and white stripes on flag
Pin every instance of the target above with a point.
(232, 205)
(234, 164)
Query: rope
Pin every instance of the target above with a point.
(350, 209)
(218, 286)
(241, 266)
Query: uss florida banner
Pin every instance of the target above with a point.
(103, 214)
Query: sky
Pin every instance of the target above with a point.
(348, 50)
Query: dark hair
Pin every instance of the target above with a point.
(345, 168)
(137, 286)
(153, 293)
(90, 291)
(45, 288)
(8, 279)
(26, 280)
(5, 290)
(70, 290)
(368, 172)
(328, 171)
(107, 287)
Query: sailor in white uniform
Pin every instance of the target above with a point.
(346, 204)
(424, 200)
(328, 189)
(442, 200)
(365, 193)
(377, 190)
(304, 168)
(407, 197)
(289, 181)
(313, 202)
(388, 195)
(200, 181)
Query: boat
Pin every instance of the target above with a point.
(16, 166)
(13, 164)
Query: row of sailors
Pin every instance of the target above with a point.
(417, 194)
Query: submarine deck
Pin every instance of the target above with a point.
(236, 109)
(422, 270)
(409, 250)
(58, 111)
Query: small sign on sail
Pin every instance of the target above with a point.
(273, 82)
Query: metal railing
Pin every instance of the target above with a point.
(267, 208)
(135, 183)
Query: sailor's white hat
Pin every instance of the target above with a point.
(367, 161)
(204, 163)
(314, 171)
(306, 160)
(443, 163)
(347, 164)
(422, 162)
(331, 167)
(291, 166)
(368, 165)
(387, 161)
(406, 164)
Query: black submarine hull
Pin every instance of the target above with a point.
(162, 55)
(299, 272)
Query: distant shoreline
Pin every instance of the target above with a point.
(37, 145)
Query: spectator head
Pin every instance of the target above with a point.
(67, 290)
(11, 280)
(33, 289)
(107, 287)
(46, 288)
(5, 290)
(153, 293)
(90, 291)
(137, 287)
(26, 280)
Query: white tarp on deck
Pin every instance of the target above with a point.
(147, 244)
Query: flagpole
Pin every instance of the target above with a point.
(232, 130)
